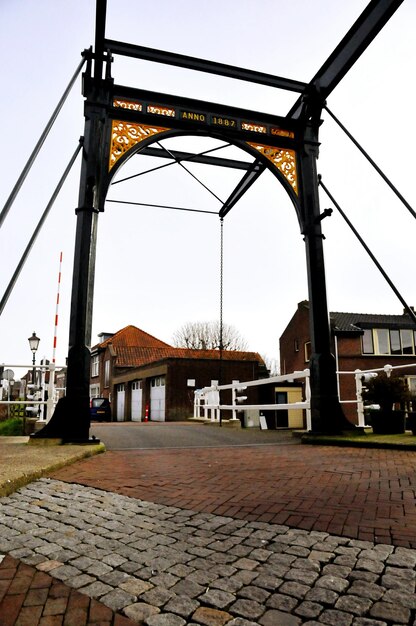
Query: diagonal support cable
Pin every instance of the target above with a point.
(190, 173)
(39, 144)
(370, 160)
(367, 249)
(32, 240)
(174, 162)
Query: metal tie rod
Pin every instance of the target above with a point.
(373, 163)
(179, 162)
(367, 249)
(38, 146)
(38, 228)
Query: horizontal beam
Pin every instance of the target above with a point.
(195, 158)
(189, 114)
(351, 47)
(202, 65)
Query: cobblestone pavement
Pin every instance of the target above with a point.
(162, 565)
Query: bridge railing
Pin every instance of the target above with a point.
(207, 402)
(36, 399)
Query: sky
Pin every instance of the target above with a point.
(158, 269)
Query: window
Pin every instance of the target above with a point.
(407, 341)
(381, 340)
(296, 345)
(107, 373)
(95, 365)
(367, 341)
(411, 381)
(94, 391)
(308, 350)
(395, 343)
(384, 341)
(159, 381)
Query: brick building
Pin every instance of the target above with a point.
(139, 373)
(359, 341)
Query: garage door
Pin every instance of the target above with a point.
(157, 399)
(121, 394)
(136, 401)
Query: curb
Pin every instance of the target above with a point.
(352, 443)
(8, 486)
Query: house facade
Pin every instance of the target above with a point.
(146, 378)
(359, 341)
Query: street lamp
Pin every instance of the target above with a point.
(34, 345)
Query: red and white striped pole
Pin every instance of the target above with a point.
(56, 311)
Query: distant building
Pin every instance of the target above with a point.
(359, 341)
(144, 376)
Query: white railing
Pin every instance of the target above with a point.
(207, 403)
(34, 402)
(359, 375)
(208, 399)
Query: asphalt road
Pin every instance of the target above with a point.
(152, 435)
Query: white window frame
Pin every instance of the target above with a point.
(94, 391)
(107, 373)
(376, 343)
(95, 365)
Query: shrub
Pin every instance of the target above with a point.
(386, 392)
(11, 427)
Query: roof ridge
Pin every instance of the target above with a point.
(135, 328)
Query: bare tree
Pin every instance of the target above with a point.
(272, 365)
(206, 336)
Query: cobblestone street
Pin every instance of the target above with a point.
(104, 557)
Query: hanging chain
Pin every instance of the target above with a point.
(221, 281)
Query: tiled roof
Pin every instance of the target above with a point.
(354, 322)
(135, 356)
(131, 336)
(134, 348)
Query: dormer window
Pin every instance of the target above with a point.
(383, 341)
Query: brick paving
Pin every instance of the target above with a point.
(250, 536)
(29, 596)
(361, 493)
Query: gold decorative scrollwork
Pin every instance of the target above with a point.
(125, 135)
(128, 104)
(158, 110)
(275, 130)
(283, 159)
(256, 128)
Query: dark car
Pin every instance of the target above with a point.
(100, 410)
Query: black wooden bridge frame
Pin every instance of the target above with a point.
(121, 121)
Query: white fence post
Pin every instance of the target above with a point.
(234, 399)
(51, 392)
(359, 392)
(308, 400)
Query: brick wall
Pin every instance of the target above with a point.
(180, 397)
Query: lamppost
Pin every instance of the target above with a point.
(34, 345)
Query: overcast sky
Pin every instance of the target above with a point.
(158, 269)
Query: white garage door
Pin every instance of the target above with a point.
(157, 399)
(120, 402)
(136, 401)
